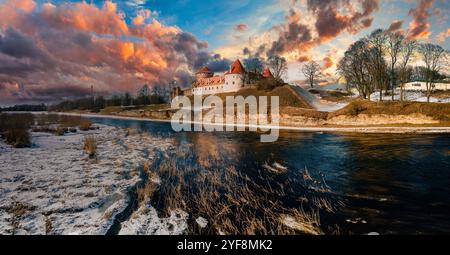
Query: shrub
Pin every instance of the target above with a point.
(15, 129)
(60, 131)
(19, 138)
(85, 124)
(90, 146)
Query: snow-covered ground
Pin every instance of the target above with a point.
(411, 96)
(55, 188)
(316, 102)
(145, 221)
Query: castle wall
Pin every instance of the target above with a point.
(233, 83)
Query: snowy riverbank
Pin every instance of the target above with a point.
(55, 188)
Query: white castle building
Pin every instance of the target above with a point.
(206, 83)
(231, 81)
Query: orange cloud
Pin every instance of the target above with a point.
(420, 25)
(328, 62)
(442, 36)
(331, 19)
(59, 51)
(140, 18)
(87, 17)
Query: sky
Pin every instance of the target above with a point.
(53, 50)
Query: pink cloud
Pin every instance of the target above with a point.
(240, 27)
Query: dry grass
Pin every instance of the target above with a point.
(294, 111)
(60, 131)
(441, 94)
(336, 96)
(231, 201)
(286, 96)
(14, 129)
(85, 124)
(90, 146)
(64, 121)
(17, 210)
(437, 111)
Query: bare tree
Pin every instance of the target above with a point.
(433, 56)
(311, 70)
(356, 68)
(394, 47)
(377, 42)
(278, 66)
(406, 54)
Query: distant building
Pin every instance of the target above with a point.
(422, 86)
(236, 78)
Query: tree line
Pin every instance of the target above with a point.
(382, 61)
(25, 108)
(144, 96)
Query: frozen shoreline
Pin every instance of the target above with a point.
(356, 129)
(54, 188)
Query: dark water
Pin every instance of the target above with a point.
(390, 184)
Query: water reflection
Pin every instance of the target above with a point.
(396, 183)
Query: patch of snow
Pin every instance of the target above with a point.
(145, 221)
(411, 96)
(304, 227)
(279, 166)
(275, 167)
(202, 222)
(317, 103)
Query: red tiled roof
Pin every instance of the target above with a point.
(237, 68)
(267, 73)
(216, 80)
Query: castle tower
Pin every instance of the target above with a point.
(267, 73)
(234, 79)
(204, 73)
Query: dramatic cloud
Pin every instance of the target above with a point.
(395, 26)
(332, 17)
(293, 35)
(56, 52)
(336, 16)
(420, 25)
(213, 61)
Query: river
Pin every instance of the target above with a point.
(389, 183)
